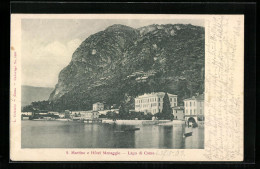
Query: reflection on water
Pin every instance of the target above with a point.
(55, 134)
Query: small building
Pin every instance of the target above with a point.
(98, 106)
(79, 114)
(115, 110)
(178, 112)
(62, 115)
(91, 115)
(194, 108)
(43, 113)
(104, 112)
(26, 113)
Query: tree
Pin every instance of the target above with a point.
(167, 110)
(28, 108)
(111, 115)
(123, 113)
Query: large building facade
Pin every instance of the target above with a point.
(153, 102)
(194, 108)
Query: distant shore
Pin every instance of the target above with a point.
(134, 122)
(143, 122)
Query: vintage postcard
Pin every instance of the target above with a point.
(131, 87)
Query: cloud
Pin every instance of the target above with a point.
(56, 48)
(73, 44)
(60, 50)
(43, 62)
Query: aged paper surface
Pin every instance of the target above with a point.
(223, 97)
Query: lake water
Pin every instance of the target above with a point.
(57, 134)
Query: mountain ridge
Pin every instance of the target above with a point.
(105, 66)
(34, 93)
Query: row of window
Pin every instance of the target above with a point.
(174, 99)
(147, 100)
(152, 105)
(153, 100)
(194, 112)
(194, 104)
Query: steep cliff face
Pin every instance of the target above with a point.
(119, 63)
(95, 59)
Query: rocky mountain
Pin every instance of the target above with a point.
(120, 63)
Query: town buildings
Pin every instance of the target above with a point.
(62, 115)
(91, 115)
(98, 106)
(194, 108)
(104, 112)
(153, 102)
(26, 113)
(85, 115)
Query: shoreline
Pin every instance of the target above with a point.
(143, 122)
(130, 122)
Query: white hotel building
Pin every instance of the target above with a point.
(153, 102)
(194, 108)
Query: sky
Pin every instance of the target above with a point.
(48, 44)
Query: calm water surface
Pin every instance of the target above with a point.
(57, 134)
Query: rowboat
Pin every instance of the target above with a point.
(187, 134)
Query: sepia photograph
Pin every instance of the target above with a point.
(112, 83)
(130, 87)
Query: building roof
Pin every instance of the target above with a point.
(199, 97)
(178, 108)
(154, 94)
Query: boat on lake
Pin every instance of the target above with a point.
(187, 134)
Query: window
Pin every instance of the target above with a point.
(190, 104)
(155, 99)
(190, 112)
(175, 104)
(170, 99)
(186, 104)
(159, 104)
(159, 99)
(194, 103)
(194, 111)
(174, 99)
